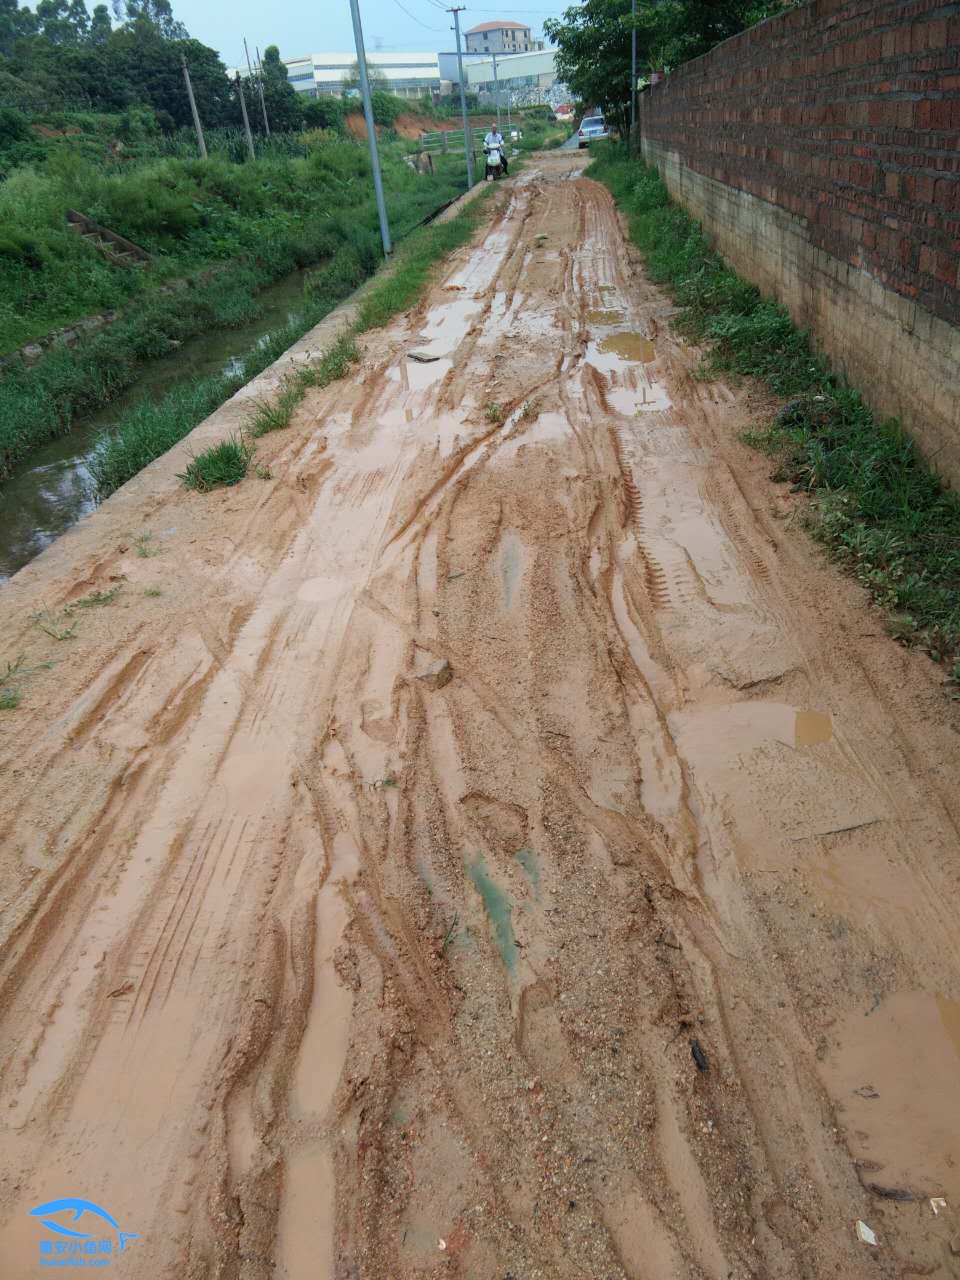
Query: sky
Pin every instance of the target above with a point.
(315, 26)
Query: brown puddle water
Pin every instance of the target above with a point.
(893, 1072)
(601, 316)
(812, 727)
(628, 346)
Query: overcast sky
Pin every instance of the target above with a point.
(315, 26)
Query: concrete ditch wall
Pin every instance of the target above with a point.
(821, 152)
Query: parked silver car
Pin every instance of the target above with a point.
(591, 128)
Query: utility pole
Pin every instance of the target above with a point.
(263, 100)
(633, 77)
(467, 142)
(193, 109)
(496, 81)
(246, 118)
(258, 82)
(371, 127)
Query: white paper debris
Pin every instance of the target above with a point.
(865, 1234)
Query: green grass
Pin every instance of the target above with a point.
(875, 504)
(222, 465)
(145, 547)
(271, 415)
(12, 677)
(152, 428)
(333, 364)
(254, 223)
(96, 600)
(414, 262)
(55, 625)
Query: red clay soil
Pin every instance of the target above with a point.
(411, 126)
(490, 842)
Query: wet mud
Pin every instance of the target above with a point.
(495, 847)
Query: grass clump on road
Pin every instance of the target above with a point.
(333, 364)
(218, 467)
(876, 505)
(12, 677)
(272, 415)
(414, 263)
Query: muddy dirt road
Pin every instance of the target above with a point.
(503, 849)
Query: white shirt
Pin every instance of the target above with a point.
(493, 139)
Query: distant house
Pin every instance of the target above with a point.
(501, 37)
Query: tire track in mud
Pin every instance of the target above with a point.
(367, 971)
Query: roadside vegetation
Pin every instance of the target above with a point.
(94, 118)
(153, 428)
(222, 229)
(875, 504)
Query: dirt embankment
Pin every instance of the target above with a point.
(503, 847)
(409, 125)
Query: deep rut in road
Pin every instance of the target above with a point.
(504, 850)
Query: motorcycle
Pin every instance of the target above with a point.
(494, 157)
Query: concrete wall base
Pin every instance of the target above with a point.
(904, 360)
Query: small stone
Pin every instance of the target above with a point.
(436, 675)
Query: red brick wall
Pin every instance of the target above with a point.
(845, 113)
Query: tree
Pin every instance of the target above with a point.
(15, 23)
(100, 27)
(63, 22)
(155, 13)
(282, 100)
(376, 78)
(593, 55)
(325, 112)
(593, 41)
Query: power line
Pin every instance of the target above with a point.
(414, 18)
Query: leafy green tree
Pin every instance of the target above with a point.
(593, 54)
(325, 112)
(282, 100)
(15, 23)
(64, 22)
(593, 41)
(100, 27)
(156, 13)
(376, 78)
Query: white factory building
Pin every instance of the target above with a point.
(533, 73)
(407, 75)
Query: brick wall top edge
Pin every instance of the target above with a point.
(846, 114)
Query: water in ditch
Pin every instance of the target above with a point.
(55, 489)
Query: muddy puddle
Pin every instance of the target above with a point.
(447, 325)
(893, 1072)
(55, 488)
(628, 346)
(647, 397)
(605, 316)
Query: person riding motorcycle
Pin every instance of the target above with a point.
(495, 139)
